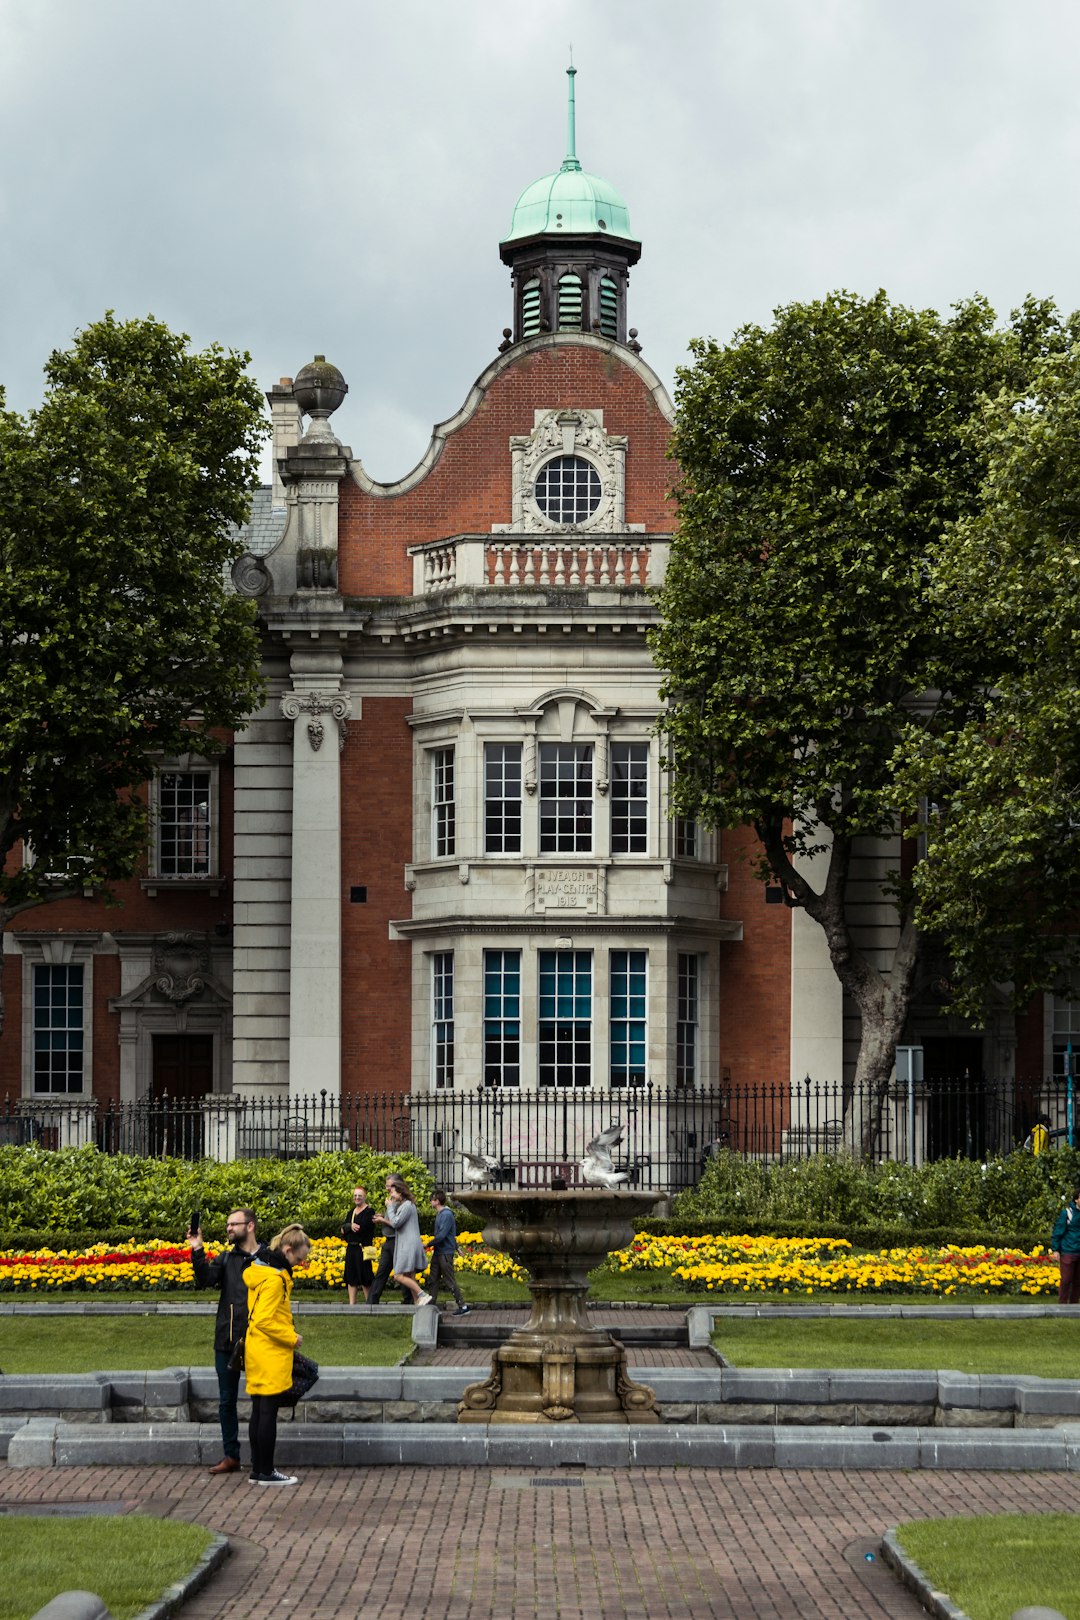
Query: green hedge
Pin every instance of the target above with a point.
(1014, 1193)
(79, 1191)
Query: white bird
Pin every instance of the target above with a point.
(478, 1167)
(598, 1167)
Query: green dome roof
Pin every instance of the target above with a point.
(570, 202)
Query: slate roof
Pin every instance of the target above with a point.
(266, 525)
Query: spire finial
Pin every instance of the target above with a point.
(570, 161)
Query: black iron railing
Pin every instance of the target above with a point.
(669, 1135)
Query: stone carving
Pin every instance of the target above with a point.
(571, 888)
(568, 433)
(180, 965)
(317, 568)
(336, 704)
(250, 575)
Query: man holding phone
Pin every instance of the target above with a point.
(226, 1274)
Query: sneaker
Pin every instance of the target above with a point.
(424, 1299)
(276, 1478)
(463, 1310)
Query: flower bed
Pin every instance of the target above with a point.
(155, 1267)
(801, 1266)
(700, 1265)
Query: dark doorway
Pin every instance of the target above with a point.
(956, 1117)
(183, 1074)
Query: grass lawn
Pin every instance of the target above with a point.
(57, 1344)
(127, 1561)
(1043, 1347)
(992, 1566)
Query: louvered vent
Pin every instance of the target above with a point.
(530, 309)
(609, 308)
(570, 304)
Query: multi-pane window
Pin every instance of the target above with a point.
(566, 796)
(184, 829)
(629, 998)
(1066, 1035)
(565, 1022)
(687, 1019)
(58, 1028)
(568, 489)
(502, 1018)
(629, 798)
(686, 837)
(502, 798)
(442, 1019)
(442, 802)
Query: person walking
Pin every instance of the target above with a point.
(409, 1255)
(226, 1274)
(443, 1249)
(358, 1230)
(386, 1263)
(269, 1345)
(1065, 1242)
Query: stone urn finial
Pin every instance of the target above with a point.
(319, 389)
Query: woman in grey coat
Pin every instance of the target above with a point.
(409, 1255)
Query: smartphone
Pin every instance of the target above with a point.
(196, 1220)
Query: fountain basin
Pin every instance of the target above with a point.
(558, 1367)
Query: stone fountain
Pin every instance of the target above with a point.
(558, 1367)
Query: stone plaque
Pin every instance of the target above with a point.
(573, 888)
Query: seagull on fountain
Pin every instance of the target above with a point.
(478, 1166)
(598, 1167)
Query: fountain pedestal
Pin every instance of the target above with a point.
(558, 1367)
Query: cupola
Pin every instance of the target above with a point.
(570, 248)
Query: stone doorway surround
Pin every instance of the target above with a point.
(174, 984)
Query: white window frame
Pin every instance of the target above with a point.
(443, 808)
(442, 1020)
(57, 953)
(156, 877)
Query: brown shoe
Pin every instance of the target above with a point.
(227, 1465)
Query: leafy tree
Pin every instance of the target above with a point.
(119, 642)
(1003, 846)
(822, 461)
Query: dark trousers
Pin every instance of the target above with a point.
(228, 1383)
(382, 1275)
(442, 1271)
(262, 1432)
(1069, 1286)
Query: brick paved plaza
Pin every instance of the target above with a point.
(646, 1544)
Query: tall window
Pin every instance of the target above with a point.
(502, 798)
(184, 829)
(58, 1028)
(565, 1027)
(566, 796)
(687, 1016)
(629, 798)
(502, 1018)
(442, 802)
(442, 1019)
(1067, 1034)
(629, 999)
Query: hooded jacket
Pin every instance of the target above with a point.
(271, 1337)
(1066, 1234)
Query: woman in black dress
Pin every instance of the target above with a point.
(358, 1230)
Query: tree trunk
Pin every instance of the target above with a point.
(883, 999)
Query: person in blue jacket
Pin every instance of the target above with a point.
(1065, 1242)
(443, 1250)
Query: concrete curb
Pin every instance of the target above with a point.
(174, 1597)
(44, 1443)
(938, 1603)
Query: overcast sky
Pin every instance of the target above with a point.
(293, 178)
